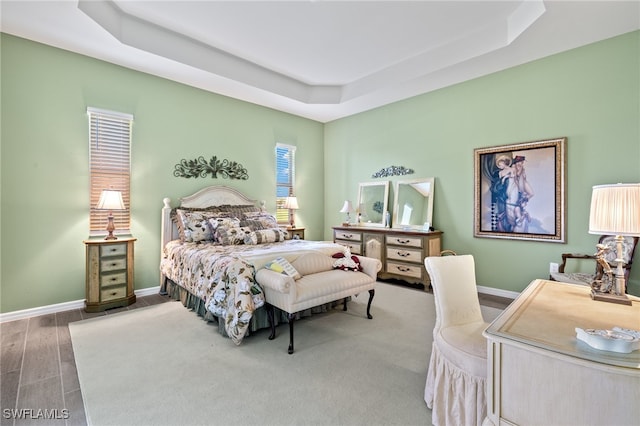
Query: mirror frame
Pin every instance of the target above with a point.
(362, 186)
(427, 214)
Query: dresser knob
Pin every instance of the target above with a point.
(403, 253)
(399, 241)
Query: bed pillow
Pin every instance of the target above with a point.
(231, 235)
(193, 226)
(266, 220)
(282, 266)
(223, 220)
(261, 236)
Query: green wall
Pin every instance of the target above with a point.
(590, 95)
(44, 169)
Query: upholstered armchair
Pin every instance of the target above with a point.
(456, 379)
(586, 278)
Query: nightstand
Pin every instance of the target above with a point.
(109, 280)
(296, 233)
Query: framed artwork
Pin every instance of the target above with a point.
(520, 191)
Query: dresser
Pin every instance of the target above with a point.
(539, 373)
(401, 252)
(109, 274)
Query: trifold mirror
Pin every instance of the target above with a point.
(413, 204)
(372, 203)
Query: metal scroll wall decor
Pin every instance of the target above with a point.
(392, 171)
(201, 168)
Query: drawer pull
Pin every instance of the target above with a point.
(348, 235)
(113, 279)
(114, 264)
(403, 253)
(403, 269)
(113, 250)
(399, 241)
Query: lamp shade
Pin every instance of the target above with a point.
(110, 200)
(291, 203)
(615, 209)
(347, 207)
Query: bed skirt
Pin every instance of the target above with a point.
(259, 320)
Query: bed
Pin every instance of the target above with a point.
(216, 279)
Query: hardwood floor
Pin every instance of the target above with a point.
(38, 376)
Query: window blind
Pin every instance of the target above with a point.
(285, 179)
(110, 165)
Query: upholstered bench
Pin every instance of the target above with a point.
(317, 283)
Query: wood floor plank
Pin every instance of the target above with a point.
(12, 335)
(75, 405)
(45, 394)
(41, 360)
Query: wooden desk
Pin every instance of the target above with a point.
(540, 373)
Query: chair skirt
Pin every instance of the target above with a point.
(455, 397)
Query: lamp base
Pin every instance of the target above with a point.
(621, 299)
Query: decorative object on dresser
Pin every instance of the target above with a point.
(413, 204)
(291, 203)
(201, 168)
(109, 274)
(519, 191)
(615, 210)
(457, 375)
(401, 252)
(373, 203)
(110, 200)
(347, 208)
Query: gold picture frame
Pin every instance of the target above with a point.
(520, 191)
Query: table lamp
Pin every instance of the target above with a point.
(110, 200)
(615, 210)
(291, 203)
(347, 208)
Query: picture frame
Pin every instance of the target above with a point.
(519, 191)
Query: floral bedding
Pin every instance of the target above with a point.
(223, 275)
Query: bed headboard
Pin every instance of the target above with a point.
(216, 195)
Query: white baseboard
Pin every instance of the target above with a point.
(498, 292)
(79, 304)
(60, 307)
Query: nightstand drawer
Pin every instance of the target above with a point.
(113, 279)
(113, 250)
(404, 269)
(402, 240)
(345, 235)
(406, 255)
(108, 265)
(113, 293)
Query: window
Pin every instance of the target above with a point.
(110, 165)
(285, 179)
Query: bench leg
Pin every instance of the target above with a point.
(272, 323)
(371, 293)
(292, 318)
(344, 306)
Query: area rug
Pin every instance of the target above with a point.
(164, 365)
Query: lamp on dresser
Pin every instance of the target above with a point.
(110, 200)
(291, 203)
(615, 210)
(347, 208)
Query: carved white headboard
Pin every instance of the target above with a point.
(216, 195)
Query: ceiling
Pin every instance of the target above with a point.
(318, 59)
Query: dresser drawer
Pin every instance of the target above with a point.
(403, 240)
(408, 270)
(346, 235)
(113, 250)
(406, 255)
(113, 293)
(354, 248)
(113, 279)
(108, 265)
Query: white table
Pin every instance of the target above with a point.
(539, 373)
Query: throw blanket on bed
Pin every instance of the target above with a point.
(223, 276)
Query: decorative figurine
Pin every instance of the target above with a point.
(603, 282)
